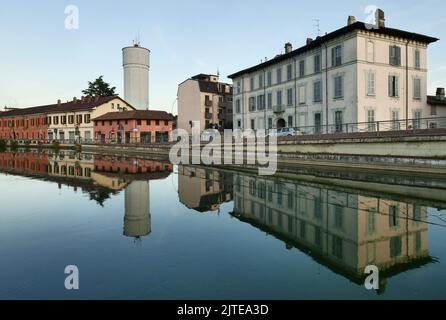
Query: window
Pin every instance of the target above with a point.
(289, 72)
(63, 120)
(239, 124)
(433, 110)
(393, 217)
(56, 120)
(71, 119)
(270, 123)
(301, 68)
(417, 58)
(260, 81)
(302, 95)
(370, 51)
(79, 119)
(252, 104)
(270, 100)
(290, 97)
(338, 87)
(290, 121)
(317, 90)
(336, 56)
(371, 120)
(279, 75)
(396, 245)
(239, 87)
(417, 120)
(279, 98)
(138, 122)
(269, 78)
(395, 120)
(395, 56)
(261, 102)
(317, 63)
(237, 106)
(317, 123)
(371, 221)
(87, 118)
(339, 120)
(371, 83)
(393, 86)
(417, 88)
(253, 124)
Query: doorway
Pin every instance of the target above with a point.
(281, 123)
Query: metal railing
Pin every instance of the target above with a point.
(403, 126)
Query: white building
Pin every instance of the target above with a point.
(73, 121)
(355, 74)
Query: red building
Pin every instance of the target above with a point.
(24, 124)
(140, 126)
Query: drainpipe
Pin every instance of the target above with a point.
(264, 98)
(326, 87)
(295, 93)
(407, 84)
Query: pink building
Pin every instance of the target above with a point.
(139, 126)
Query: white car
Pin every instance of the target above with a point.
(286, 132)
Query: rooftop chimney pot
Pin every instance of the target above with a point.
(309, 41)
(440, 94)
(351, 20)
(380, 18)
(288, 47)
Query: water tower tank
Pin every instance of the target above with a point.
(136, 61)
(137, 220)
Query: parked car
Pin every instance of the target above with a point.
(286, 132)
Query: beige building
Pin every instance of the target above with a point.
(437, 109)
(346, 232)
(203, 98)
(356, 74)
(73, 121)
(202, 189)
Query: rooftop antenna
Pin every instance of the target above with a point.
(137, 41)
(317, 26)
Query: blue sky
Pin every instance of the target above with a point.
(42, 61)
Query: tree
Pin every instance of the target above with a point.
(99, 88)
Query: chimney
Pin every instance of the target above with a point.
(59, 102)
(74, 99)
(440, 94)
(380, 18)
(351, 20)
(82, 99)
(309, 41)
(288, 47)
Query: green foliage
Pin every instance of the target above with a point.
(99, 88)
(14, 145)
(2, 144)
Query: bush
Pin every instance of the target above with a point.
(14, 145)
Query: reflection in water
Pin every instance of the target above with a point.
(341, 228)
(99, 176)
(344, 231)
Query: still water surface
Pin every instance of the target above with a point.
(143, 229)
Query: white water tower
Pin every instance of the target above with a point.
(137, 220)
(136, 62)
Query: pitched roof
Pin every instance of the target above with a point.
(433, 100)
(71, 106)
(135, 115)
(333, 35)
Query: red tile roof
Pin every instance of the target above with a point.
(79, 105)
(136, 115)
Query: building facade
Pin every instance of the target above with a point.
(437, 109)
(136, 126)
(356, 74)
(204, 99)
(68, 122)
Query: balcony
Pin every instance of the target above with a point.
(279, 109)
(208, 116)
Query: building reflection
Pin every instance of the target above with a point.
(98, 176)
(203, 189)
(344, 231)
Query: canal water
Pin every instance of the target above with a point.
(144, 229)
